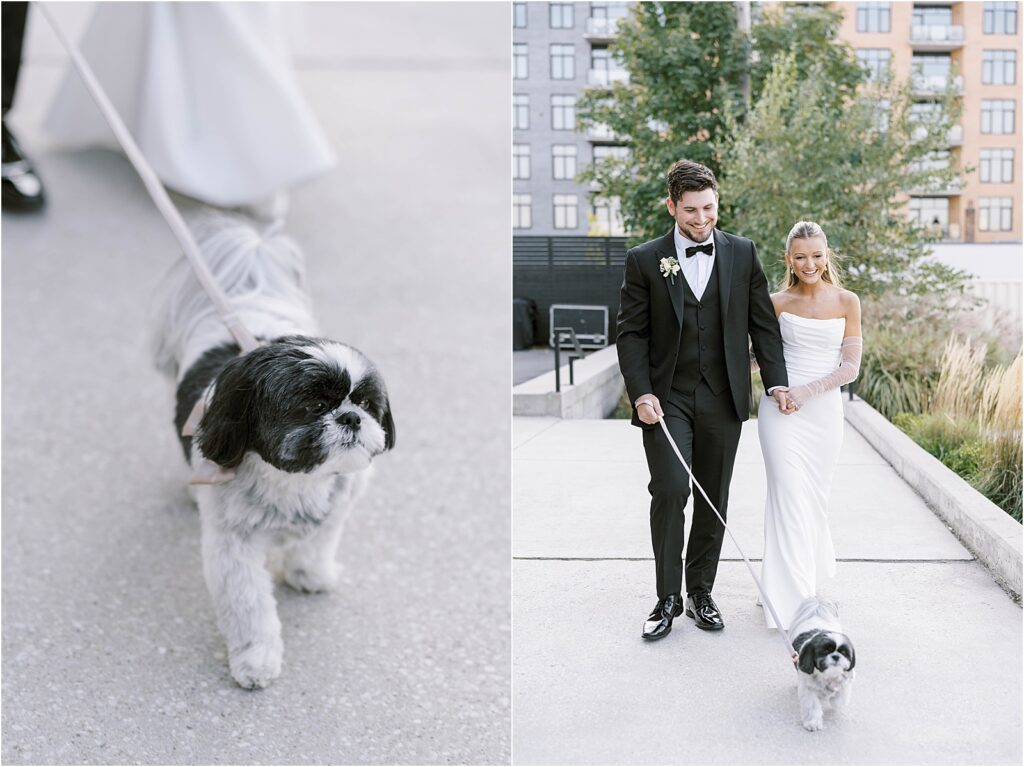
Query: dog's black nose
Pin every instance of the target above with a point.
(349, 419)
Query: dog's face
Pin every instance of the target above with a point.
(827, 653)
(301, 404)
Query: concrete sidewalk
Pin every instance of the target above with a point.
(938, 642)
(110, 650)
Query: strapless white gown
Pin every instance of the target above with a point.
(800, 453)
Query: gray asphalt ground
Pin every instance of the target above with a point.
(938, 642)
(110, 650)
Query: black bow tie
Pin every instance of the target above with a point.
(706, 248)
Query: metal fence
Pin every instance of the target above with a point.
(568, 270)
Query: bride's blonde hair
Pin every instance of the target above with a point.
(805, 230)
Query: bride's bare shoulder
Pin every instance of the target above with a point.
(781, 299)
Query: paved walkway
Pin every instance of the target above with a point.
(938, 643)
(110, 651)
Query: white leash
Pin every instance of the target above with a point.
(757, 581)
(156, 190)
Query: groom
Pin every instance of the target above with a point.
(689, 301)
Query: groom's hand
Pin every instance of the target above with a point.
(648, 409)
(785, 403)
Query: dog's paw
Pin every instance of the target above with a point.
(256, 665)
(312, 579)
(814, 724)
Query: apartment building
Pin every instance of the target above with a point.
(558, 50)
(978, 44)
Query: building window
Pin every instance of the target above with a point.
(876, 62)
(607, 218)
(566, 213)
(520, 62)
(563, 161)
(519, 15)
(932, 213)
(563, 61)
(1001, 18)
(995, 214)
(520, 161)
(617, 154)
(996, 166)
(999, 67)
(563, 113)
(520, 111)
(521, 218)
(932, 16)
(997, 115)
(874, 17)
(561, 15)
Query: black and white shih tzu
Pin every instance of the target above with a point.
(286, 442)
(826, 660)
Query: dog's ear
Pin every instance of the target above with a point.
(808, 656)
(225, 432)
(848, 645)
(388, 422)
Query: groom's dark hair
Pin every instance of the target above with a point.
(689, 176)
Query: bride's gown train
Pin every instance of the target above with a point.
(800, 453)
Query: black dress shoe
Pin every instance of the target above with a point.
(702, 608)
(22, 189)
(659, 622)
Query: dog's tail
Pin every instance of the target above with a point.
(261, 273)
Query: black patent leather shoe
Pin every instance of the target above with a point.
(659, 622)
(22, 189)
(702, 608)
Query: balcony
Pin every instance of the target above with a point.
(936, 38)
(935, 85)
(948, 189)
(602, 134)
(604, 78)
(954, 137)
(601, 30)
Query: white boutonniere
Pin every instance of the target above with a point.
(670, 268)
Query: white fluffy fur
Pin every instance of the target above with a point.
(293, 518)
(831, 689)
(262, 273)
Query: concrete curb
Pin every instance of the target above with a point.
(988, 532)
(597, 390)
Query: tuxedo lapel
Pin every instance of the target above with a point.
(724, 261)
(667, 249)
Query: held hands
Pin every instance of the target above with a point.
(648, 409)
(783, 396)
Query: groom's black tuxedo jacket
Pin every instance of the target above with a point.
(650, 320)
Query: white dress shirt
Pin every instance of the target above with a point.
(696, 268)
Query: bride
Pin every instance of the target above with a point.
(821, 336)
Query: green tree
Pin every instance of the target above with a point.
(845, 163)
(687, 64)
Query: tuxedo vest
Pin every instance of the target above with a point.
(701, 345)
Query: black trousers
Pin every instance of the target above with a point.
(13, 15)
(707, 432)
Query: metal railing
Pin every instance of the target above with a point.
(577, 354)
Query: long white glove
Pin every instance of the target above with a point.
(847, 371)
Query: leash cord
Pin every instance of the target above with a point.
(757, 581)
(156, 190)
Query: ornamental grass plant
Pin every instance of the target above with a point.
(973, 422)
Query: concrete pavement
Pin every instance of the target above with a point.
(938, 642)
(110, 651)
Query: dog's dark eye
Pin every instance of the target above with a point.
(317, 408)
(366, 404)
